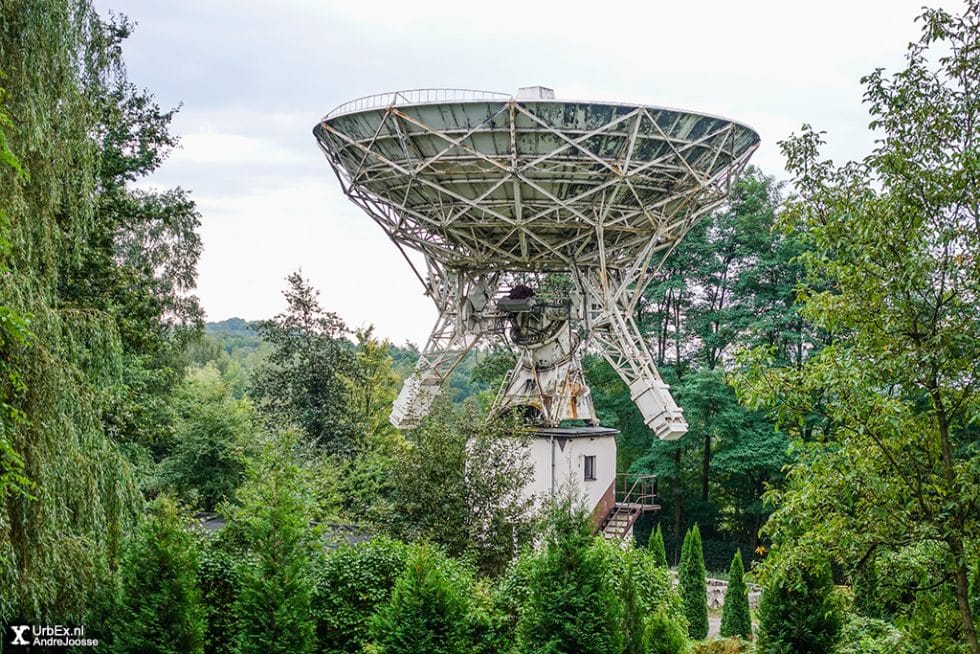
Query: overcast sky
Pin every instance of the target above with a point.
(255, 77)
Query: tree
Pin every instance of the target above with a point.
(572, 605)
(694, 585)
(272, 607)
(311, 371)
(61, 357)
(645, 590)
(461, 483)
(160, 607)
(14, 332)
(656, 546)
(729, 284)
(735, 617)
(428, 612)
(893, 276)
(798, 611)
(214, 435)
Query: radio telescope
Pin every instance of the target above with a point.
(541, 222)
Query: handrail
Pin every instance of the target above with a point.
(414, 96)
(636, 488)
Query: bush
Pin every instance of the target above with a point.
(862, 635)
(665, 635)
(160, 602)
(799, 612)
(693, 586)
(643, 588)
(219, 588)
(428, 612)
(350, 584)
(513, 590)
(572, 605)
(735, 617)
(723, 646)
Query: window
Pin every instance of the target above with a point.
(590, 468)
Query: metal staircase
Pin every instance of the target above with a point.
(630, 496)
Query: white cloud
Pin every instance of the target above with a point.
(216, 147)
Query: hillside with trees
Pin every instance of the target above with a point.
(235, 486)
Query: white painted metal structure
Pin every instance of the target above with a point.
(498, 191)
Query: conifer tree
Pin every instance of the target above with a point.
(428, 612)
(798, 611)
(272, 609)
(693, 585)
(656, 546)
(735, 617)
(572, 605)
(160, 609)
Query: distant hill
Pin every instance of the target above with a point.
(237, 326)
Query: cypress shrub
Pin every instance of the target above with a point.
(272, 607)
(428, 612)
(693, 585)
(160, 603)
(656, 546)
(735, 617)
(798, 612)
(643, 588)
(665, 635)
(572, 605)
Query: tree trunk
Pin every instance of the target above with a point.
(954, 539)
(705, 466)
(678, 498)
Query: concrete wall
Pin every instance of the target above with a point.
(569, 466)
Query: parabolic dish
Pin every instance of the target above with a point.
(487, 181)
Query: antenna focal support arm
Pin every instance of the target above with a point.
(443, 352)
(624, 348)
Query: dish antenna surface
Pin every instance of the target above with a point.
(541, 223)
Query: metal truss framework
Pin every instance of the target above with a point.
(490, 184)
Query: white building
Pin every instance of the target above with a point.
(584, 458)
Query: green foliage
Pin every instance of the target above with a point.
(218, 578)
(799, 612)
(735, 617)
(60, 373)
(214, 435)
(665, 634)
(276, 506)
(861, 635)
(866, 596)
(14, 332)
(723, 646)
(656, 546)
(310, 372)
(350, 585)
(460, 483)
(884, 419)
(728, 285)
(573, 605)
(160, 607)
(694, 585)
(428, 612)
(512, 592)
(643, 588)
